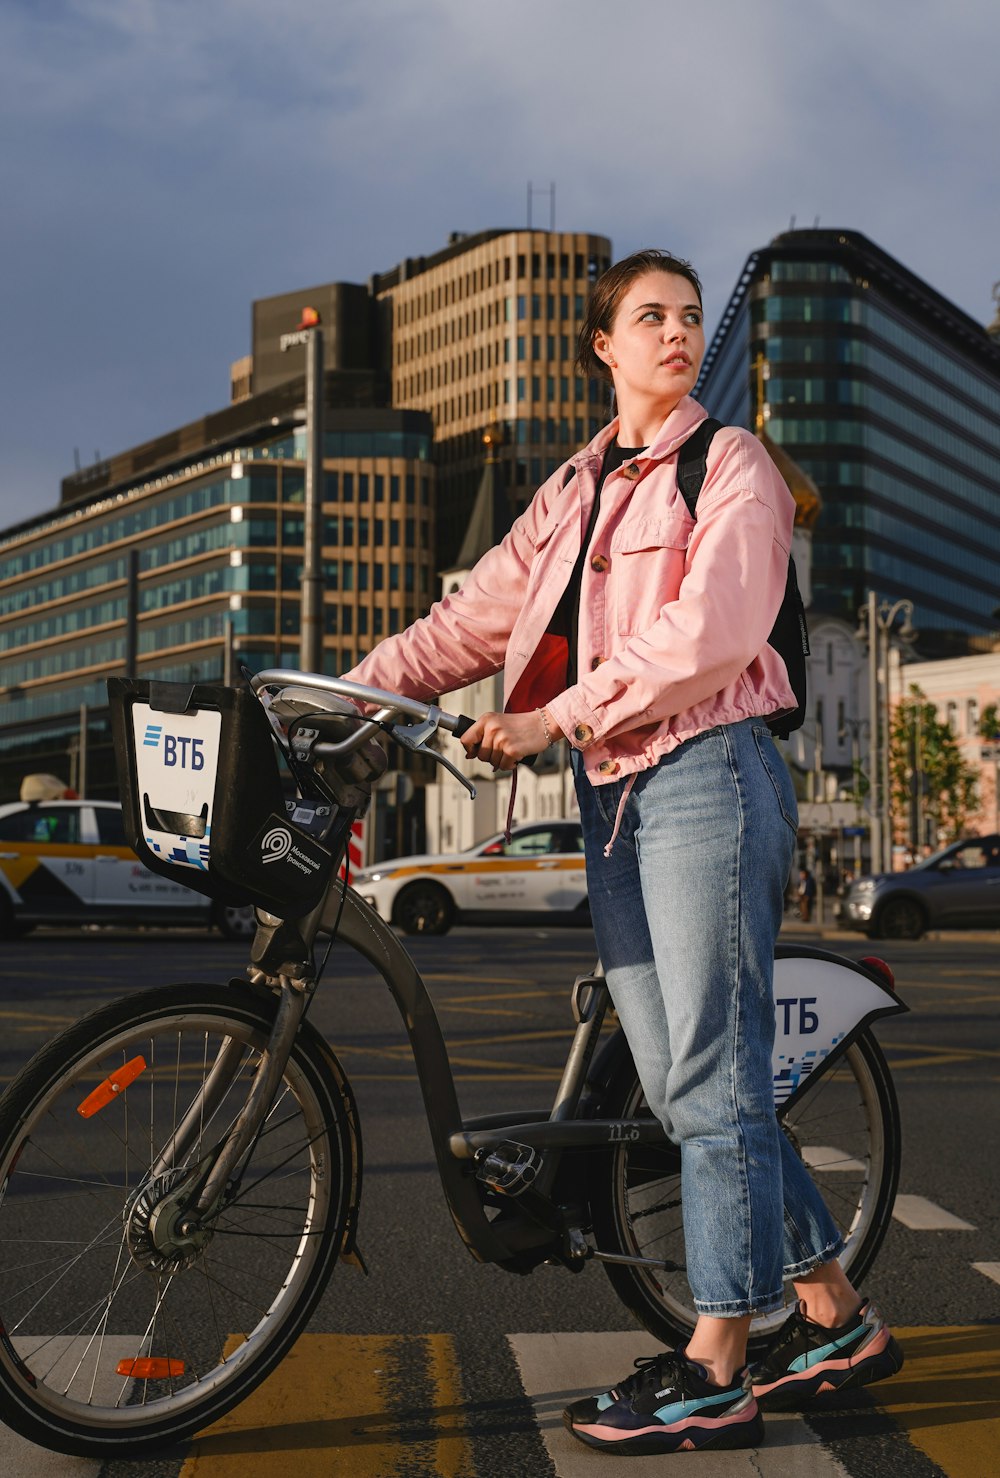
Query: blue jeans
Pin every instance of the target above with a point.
(686, 911)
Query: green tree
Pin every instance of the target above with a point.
(989, 723)
(934, 791)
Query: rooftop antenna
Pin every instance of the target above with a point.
(791, 224)
(816, 224)
(76, 459)
(551, 193)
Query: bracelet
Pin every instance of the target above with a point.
(549, 741)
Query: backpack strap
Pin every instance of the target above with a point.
(692, 464)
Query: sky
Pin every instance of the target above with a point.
(165, 162)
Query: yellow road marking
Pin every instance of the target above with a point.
(339, 1405)
(463, 977)
(948, 1052)
(903, 1065)
(947, 1396)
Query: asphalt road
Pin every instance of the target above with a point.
(434, 1364)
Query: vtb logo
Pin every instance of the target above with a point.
(178, 750)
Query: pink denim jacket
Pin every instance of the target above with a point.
(674, 614)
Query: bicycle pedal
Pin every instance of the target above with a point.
(509, 1169)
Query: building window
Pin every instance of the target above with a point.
(971, 716)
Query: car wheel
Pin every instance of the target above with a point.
(424, 908)
(11, 927)
(900, 918)
(235, 922)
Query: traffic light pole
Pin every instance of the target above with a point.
(311, 620)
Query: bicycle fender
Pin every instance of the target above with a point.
(355, 1160)
(822, 1003)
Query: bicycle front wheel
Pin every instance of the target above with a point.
(107, 1345)
(845, 1127)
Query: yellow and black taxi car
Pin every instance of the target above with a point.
(541, 870)
(67, 862)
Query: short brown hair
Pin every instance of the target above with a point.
(606, 296)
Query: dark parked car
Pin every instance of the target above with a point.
(957, 888)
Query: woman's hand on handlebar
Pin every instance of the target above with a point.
(502, 739)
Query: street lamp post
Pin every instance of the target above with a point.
(854, 727)
(310, 334)
(875, 626)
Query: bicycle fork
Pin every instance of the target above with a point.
(181, 1209)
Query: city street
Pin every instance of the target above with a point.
(435, 1365)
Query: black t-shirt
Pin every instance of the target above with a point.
(566, 616)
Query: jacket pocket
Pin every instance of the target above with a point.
(647, 559)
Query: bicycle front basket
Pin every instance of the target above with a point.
(202, 798)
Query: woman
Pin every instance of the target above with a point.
(640, 636)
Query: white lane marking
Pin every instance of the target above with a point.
(557, 1368)
(921, 1215)
(62, 1355)
(826, 1157)
(988, 1270)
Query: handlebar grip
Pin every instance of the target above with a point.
(465, 723)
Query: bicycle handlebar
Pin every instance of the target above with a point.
(391, 709)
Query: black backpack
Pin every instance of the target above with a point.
(789, 635)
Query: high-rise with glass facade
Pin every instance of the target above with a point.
(218, 532)
(889, 397)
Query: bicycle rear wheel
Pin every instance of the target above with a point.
(846, 1129)
(108, 1348)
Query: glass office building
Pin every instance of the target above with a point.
(889, 397)
(219, 539)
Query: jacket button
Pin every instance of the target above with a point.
(595, 663)
(599, 563)
(608, 767)
(583, 733)
(631, 471)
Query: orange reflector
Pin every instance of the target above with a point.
(149, 1368)
(109, 1090)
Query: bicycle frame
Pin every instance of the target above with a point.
(823, 1014)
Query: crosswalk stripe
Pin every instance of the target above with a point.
(921, 1215)
(945, 1397)
(988, 1270)
(557, 1368)
(826, 1157)
(353, 1406)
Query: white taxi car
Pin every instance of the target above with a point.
(540, 870)
(67, 862)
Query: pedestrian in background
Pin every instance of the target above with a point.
(807, 892)
(640, 636)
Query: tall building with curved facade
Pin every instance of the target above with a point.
(888, 396)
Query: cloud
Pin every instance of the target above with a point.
(173, 159)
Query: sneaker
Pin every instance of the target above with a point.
(807, 1359)
(668, 1405)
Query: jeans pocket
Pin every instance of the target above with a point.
(778, 775)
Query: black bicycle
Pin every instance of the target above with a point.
(181, 1170)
